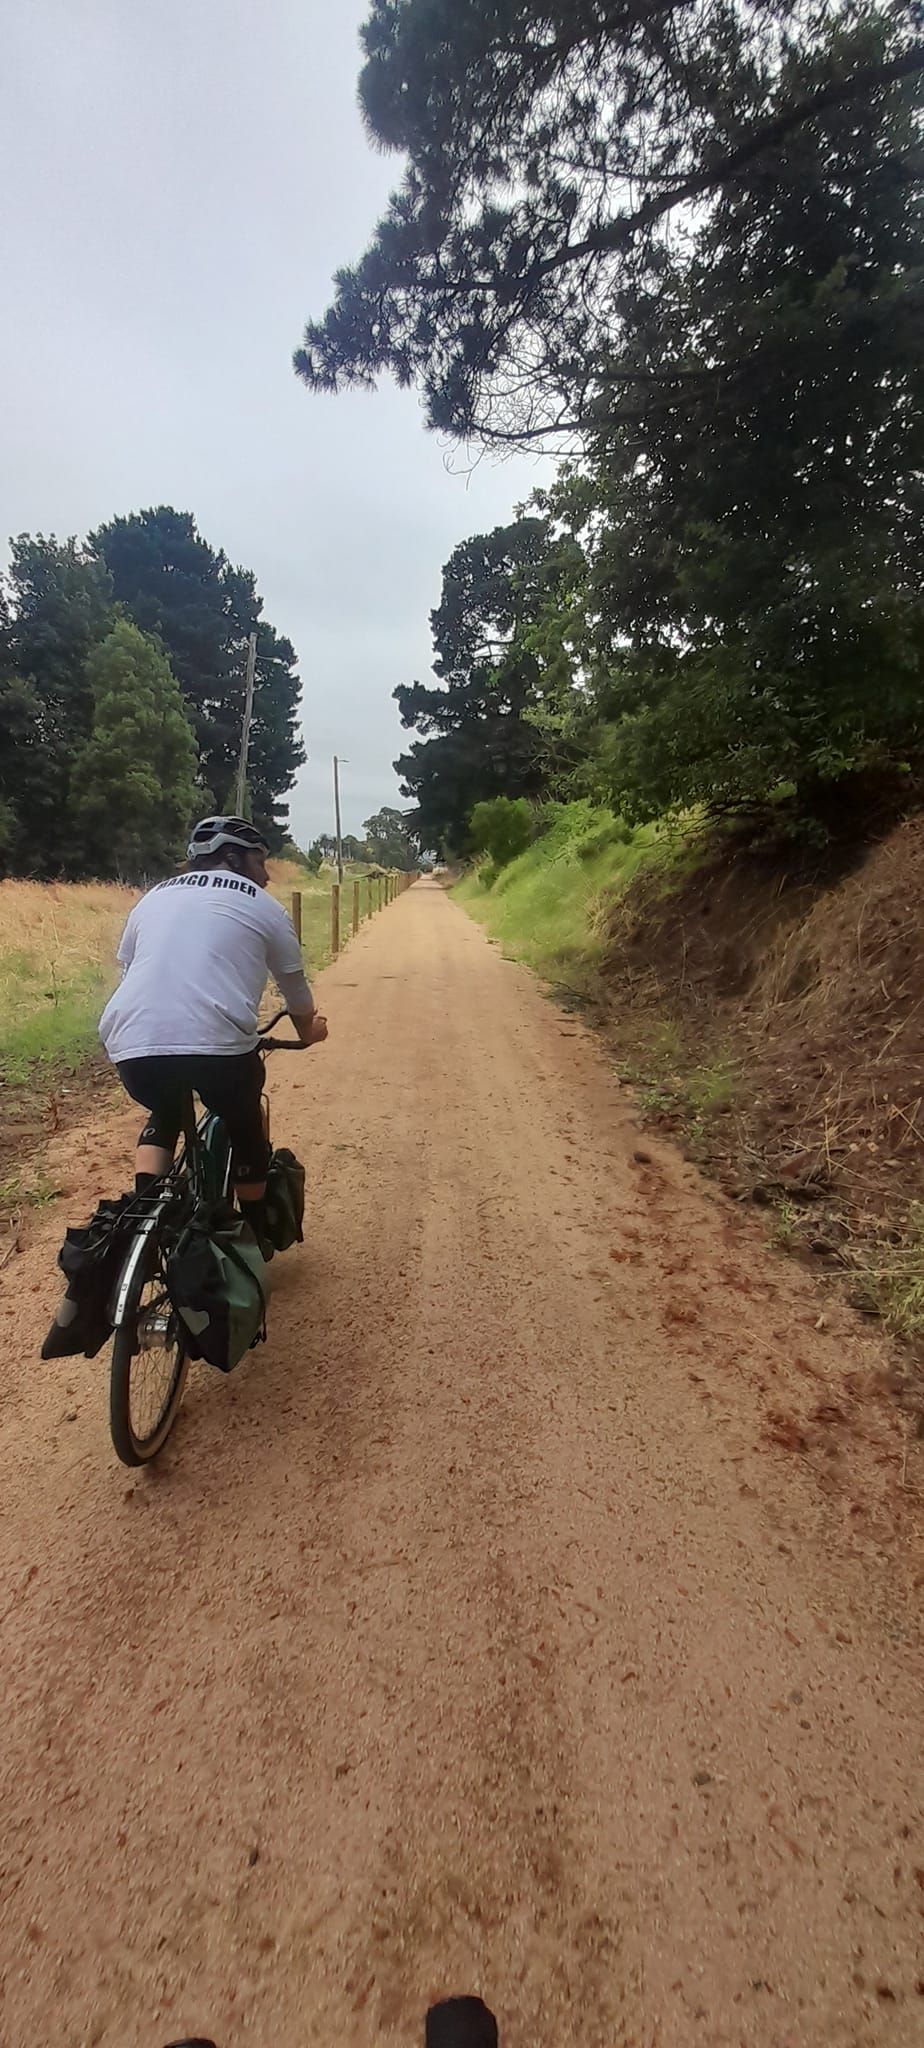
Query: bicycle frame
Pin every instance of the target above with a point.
(209, 1161)
(206, 1160)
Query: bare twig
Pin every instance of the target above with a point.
(863, 909)
(909, 1120)
(894, 1033)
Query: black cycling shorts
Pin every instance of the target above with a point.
(230, 1085)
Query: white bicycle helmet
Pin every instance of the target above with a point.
(211, 834)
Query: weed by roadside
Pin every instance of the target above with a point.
(28, 1188)
(686, 1098)
(711, 1088)
(894, 1281)
(785, 1228)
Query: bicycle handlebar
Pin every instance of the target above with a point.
(268, 1044)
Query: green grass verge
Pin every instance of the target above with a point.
(548, 907)
(48, 1026)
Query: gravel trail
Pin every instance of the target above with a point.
(535, 1614)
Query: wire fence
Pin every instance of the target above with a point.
(353, 902)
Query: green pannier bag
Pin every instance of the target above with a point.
(216, 1280)
(284, 1201)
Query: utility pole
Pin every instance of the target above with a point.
(337, 814)
(245, 730)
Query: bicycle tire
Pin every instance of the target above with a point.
(132, 1446)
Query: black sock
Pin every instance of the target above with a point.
(253, 1214)
(144, 1182)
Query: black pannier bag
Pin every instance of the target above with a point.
(91, 1260)
(284, 1201)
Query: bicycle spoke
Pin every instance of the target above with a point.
(154, 1366)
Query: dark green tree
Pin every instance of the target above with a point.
(553, 154)
(757, 542)
(479, 739)
(133, 784)
(34, 835)
(202, 609)
(276, 750)
(390, 839)
(58, 605)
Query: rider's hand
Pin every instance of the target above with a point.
(318, 1029)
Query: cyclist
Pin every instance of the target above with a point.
(196, 954)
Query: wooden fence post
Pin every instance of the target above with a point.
(335, 919)
(297, 913)
(355, 905)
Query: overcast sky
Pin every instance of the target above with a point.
(180, 180)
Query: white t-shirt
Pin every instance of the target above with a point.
(196, 953)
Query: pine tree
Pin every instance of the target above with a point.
(553, 155)
(202, 609)
(57, 607)
(133, 786)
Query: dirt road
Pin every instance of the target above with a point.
(533, 1615)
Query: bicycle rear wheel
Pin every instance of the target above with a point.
(149, 1362)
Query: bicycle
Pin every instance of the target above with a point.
(150, 1360)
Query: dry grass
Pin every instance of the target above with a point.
(814, 985)
(896, 1280)
(61, 922)
(57, 964)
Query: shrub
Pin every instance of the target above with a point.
(611, 832)
(502, 828)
